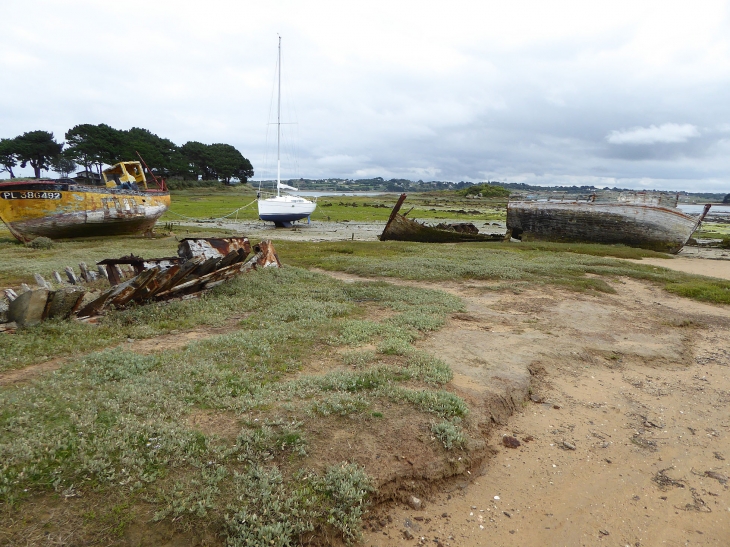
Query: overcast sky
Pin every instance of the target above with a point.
(633, 94)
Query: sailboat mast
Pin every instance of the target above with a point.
(278, 130)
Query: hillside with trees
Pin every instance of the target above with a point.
(91, 147)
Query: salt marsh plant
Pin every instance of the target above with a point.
(118, 421)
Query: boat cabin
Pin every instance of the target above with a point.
(127, 174)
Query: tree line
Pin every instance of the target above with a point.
(93, 146)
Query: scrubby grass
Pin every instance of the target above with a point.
(116, 421)
(566, 265)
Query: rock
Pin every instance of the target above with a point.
(536, 398)
(28, 308)
(603, 532)
(510, 442)
(557, 406)
(528, 438)
(414, 502)
(568, 445)
(506, 514)
(407, 534)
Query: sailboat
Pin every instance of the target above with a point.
(284, 209)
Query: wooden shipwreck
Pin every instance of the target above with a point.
(201, 264)
(640, 219)
(400, 228)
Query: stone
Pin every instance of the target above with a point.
(510, 442)
(414, 502)
(28, 308)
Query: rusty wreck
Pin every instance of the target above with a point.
(400, 228)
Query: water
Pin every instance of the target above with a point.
(692, 209)
(304, 193)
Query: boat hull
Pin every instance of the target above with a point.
(66, 210)
(284, 210)
(650, 227)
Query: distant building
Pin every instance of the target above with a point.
(88, 177)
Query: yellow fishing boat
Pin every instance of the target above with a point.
(63, 208)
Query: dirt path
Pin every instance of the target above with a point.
(630, 444)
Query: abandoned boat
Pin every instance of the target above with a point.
(400, 228)
(63, 208)
(280, 209)
(637, 219)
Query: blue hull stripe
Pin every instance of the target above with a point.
(284, 218)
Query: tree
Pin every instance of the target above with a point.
(63, 165)
(159, 154)
(227, 163)
(8, 157)
(197, 159)
(95, 145)
(727, 199)
(37, 148)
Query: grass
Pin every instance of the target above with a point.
(115, 421)
(581, 268)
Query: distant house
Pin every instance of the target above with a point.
(88, 177)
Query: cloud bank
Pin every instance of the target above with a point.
(618, 93)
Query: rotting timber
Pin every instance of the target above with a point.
(639, 219)
(63, 208)
(400, 228)
(201, 264)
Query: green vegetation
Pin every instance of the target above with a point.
(486, 191)
(91, 145)
(508, 266)
(118, 421)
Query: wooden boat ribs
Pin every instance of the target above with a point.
(201, 264)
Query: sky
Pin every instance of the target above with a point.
(632, 94)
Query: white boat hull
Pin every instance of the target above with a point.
(283, 210)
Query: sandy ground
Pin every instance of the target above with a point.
(626, 441)
(693, 260)
(324, 231)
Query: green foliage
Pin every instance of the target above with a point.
(270, 511)
(43, 243)
(706, 290)
(485, 190)
(8, 156)
(37, 148)
(449, 434)
(101, 144)
(119, 421)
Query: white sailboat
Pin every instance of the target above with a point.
(280, 209)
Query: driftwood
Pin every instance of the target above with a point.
(400, 228)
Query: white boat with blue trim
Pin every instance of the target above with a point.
(284, 209)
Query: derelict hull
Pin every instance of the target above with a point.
(650, 227)
(67, 210)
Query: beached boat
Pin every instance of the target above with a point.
(400, 228)
(63, 208)
(637, 219)
(280, 209)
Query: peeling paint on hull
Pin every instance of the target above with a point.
(656, 228)
(65, 210)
